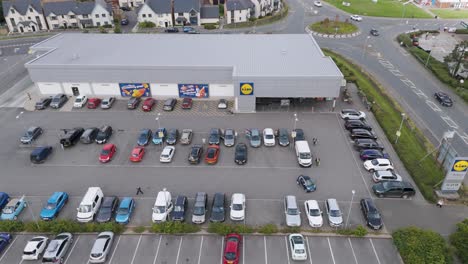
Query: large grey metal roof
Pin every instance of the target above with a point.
(248, 55)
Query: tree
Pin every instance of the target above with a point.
(459, 240)
(457, 57)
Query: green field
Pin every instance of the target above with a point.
(451, 13)
(383, 8)
(332, 26)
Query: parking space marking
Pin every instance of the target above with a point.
(352, 250)
(308, 250)
(266, 255)
(178, 251)
(287, 250)
(331, 250)
(222, 249)
(199, 252)
(71, 250)
(243, 248)
(375, 252)
(6, 251)
(138, 244)
(157, 250)
(115, 249)
(167, 166)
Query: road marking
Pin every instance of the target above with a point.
(115, 249)
(308, 249)
(375, 252)
(136, 249)
(243, 250)
(331, 251)
(222, 249)
(178, 251)
(199, 251)
(71, 250)
(464, 137)
(433, 106)
(157, 250)
(449, 122)
(266, 255)
(287, 248)
(166, 166)
(6, 251)
(352, 250)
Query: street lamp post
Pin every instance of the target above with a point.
(336, 30)
(365, 47)
(350, 206)
(295, 121)
(398, 133)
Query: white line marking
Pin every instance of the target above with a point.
(287, 248)
(375, 252)
(433, 106)
(449, 122)
(266, 255)
(115, 249)
(21, 262)
(331, 251)
(352, 250)
(199, 251)
(222, 249)
(164, 166)
(136, 249)
(157, 250)
(6, 251)
(178, 251)
(243, 249)
(308, 250)
(71, 250)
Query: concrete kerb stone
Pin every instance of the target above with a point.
(307, 30)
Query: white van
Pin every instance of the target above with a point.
(162, 207)
(89, 205)
(304, 157)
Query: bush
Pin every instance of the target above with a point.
(209, 26)
(359, 231)
(421, 246)
(268, 229)
(405, 39)
(221, 10)
(59, 226)
(117, 28)
(139, 229)
(102, 30)
(107, 26)
(459, 241)
(224, 229)
(174, 228)
(290, 229)
(146, 24)
(252, 19)
(11, 226)
(462, 31)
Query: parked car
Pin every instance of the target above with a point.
(187, 103)
(5, 239)
(217, 208)
(107, 102)
(4, 198)
(394, 189)
(171, 30)
(137, 154)
(367, 143)
(215, 136)
(159, 136)
(144, 137)
(379, 176)
(43, 103)
(13, 209)
(371, 214)
(306, 183)
(94, 103)
(101, 247)
(40, 154)
(58, 248)
(212, 154)
(313, 212)
(443, 98)
(58, 101)
(80, 101)
(162, 207)
(105, 132)
(124, 21)
(187, 29)
(125, 210)
(335, 217)
(369, 154)
(237, 207)
(169, 104)
(200, 208)
(195, 154)
(148, 104)
(34, 248)
(317, 3)
(89, 135)
(374, 32)
(167, 154)
(229, 137)
(125, 8)
(254, 138)
(133, 102)
(54, 205)
(297, 247)
(222, 104)
(180, 207)
(378, 165)
(351, 114)
(300, 136)
(71, 136)
(186, 137)
(291, 211)
(231, 254)
(356, 18)
(283, 137)
(240, 156)
(269, 137)
(362, 133)
(31, 135)
(108, 207)
(172, 136)
(352, 124)
(107, 153)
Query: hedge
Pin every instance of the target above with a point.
(59, 226)
(418, 246)
(174, 228)
(224, 229)
(268, 229)
(461, 31)
(359, 231)
(146, 24)
(459, 241)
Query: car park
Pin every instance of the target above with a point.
(5, 239)
(40, 154)
(231, 254)
(148, 104)
(43, 103)
(371, 214)
(269, 137)
(367, 143)
(361, 133)
(58, 248)
(107, 102)
(443, 98)
(4, 198)
(240, 156)
(394, 189)
(54, 205)
(212, 154)
(89, 135)
(89, 205)
(334, 215)
(186, 137)
(162, 207)
(133, 102)
(107, 153)
(297, 247)
(167, 154)
(374, 32)
(187, 103)
(180, 207)
(384, 175)
(255, 139)
(171, 30)
(108, 207)
(217, 208)
(169, 104)
(351, 114)
(58, 101)
(300, 136)
(159, 136)
(291, 211)
(137, 154)
(31, 135)
(172, 136)
(313, 212)
(80, 101)
(35, 248)
(229, 137)
(101, 247)
(283, 137)
(125, 210)
(237, 207)
(222, 104)
(105, 132)
(356, 18)
(317, 3)
(369, 154)
(13, 208)
(144, 137)
(94, 103)
(195, 154)
(352, 124)
(378, 165)
(215, 136)
(200, 208)
(306, 183)
(71, 136)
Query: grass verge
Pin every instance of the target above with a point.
(382, 8)
(450, 13)
(330, 27)
(264, 20)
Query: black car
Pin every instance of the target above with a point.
(394, 189)
(240, 157)
(105, 132)
(107, 209)
(374, 32)
(133, 102)
(195, 154)
(43, 103)
(217, 209)
(30, 135)
(145, 137)
(171, 30)
(215, 136)
(443, 98)
(371, 214)
(172, 136)
(169, 104)
(361, 133)
(352, 124)
(71, 136)
(283, 137)
(124, 22)
(299, 134)
(366, 143)
(370, 154)
(180, 206)
(307, 183)
(58, 101)
(89, 135)
(126, 8)
(40, 154)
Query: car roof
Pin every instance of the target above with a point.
(333, 204)
(383, 160)
(38, 150)
(108, 200)
(108, 146)
(167, 149)
(180, 199)
(313, 204)
(370, 204)
(13, 202)
(54, 197)
(238, 197)
(200, 197)
(126, 201)
(218, 199)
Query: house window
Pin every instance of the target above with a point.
(149, 15)
(106, 23)
(74, 25)
(63, 16)
(160, 15)
(103, 15)
(72, 16)
(13, 23)
(98, 24)
(12, 11)
(85, 16)
(144, 15)
(97, 15)
(180, 14)
(30, 10)
(55, 25)
(29, 18)
(53, 18)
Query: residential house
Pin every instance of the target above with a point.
(209, 14)
(131, 3)
(187, 12)
(237, 11)
(263, 7)
(23, 15)
(75, 14)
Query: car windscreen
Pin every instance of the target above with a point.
(304, 155)
(211, 153)
(105, 152)
(84, 209)
(335, 213)
(199, 210)
(237, 207)
(159, 209)
(374, 162)
(194, 152)
(309, 182)
(269, 136)
(122, 211)
(218, 209)
(50, 206)
(178, 208)
(373, 215)
(314, 212)
(230, 255)
(293, 211)
(255, 138)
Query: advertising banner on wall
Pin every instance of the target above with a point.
(455, 175)
(135, 89)
(246, 88)
(194, 90)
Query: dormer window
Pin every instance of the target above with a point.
(30, 10)
(12, 11)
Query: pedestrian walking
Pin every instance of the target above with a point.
(139, 191)
(317, 161)
(314, 141)
(29, 96)
(440, 203)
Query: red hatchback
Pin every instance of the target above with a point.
(107, 153)
(137, 154)
(94, 103)
(232, 249)
(212, 154)
(148, 104)
(187, 103)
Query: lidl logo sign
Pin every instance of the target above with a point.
(246, 88)
(460, 166)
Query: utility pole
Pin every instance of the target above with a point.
(460, 58)
(172, 13)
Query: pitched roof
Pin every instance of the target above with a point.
(21, 6)
(180, 6)
(63, 8)
(238, 4)
(209, 11)
(27, 23)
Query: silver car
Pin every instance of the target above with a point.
(335, 217)
(101, 247)
(31, 134)
(199, 208)
(186, 137)
(58, 248)
(292, 212)
(254, 138)
(107, 102)
(229, 137)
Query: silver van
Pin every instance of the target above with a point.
(335, 217)
(57, 248)
(291, 211)
(199, 208)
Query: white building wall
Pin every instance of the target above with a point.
(221, 90)
(209, 20)
(49, 88)
(106, 89)
(84, 88)
(147, 14)
(28, 16)
(164, 90)
(101, 16)
(239, 16)
(131, 3)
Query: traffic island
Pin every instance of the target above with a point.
(333, 29)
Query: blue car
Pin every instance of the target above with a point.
(159, 136)
(4, 198)
(125, 210)
(188, 29)
(13, 209)
(5, 239)
(54, 205)
(145, 136)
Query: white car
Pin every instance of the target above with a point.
(356, 18)
(351, 114)
(167, 154)
(222, 104)
(314, 214)
(297, 246)
(269, 137)
(378, 165)
(237, 207)
(102, 247)
(318, 3)
(80, 101)
(107, 102)
(35, 248)
(379, 176)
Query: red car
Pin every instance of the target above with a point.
(137, 154)
(232, 249)
(94, 103)
(187, 103)
(212, 154)
(107, 153)
(148, 104)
